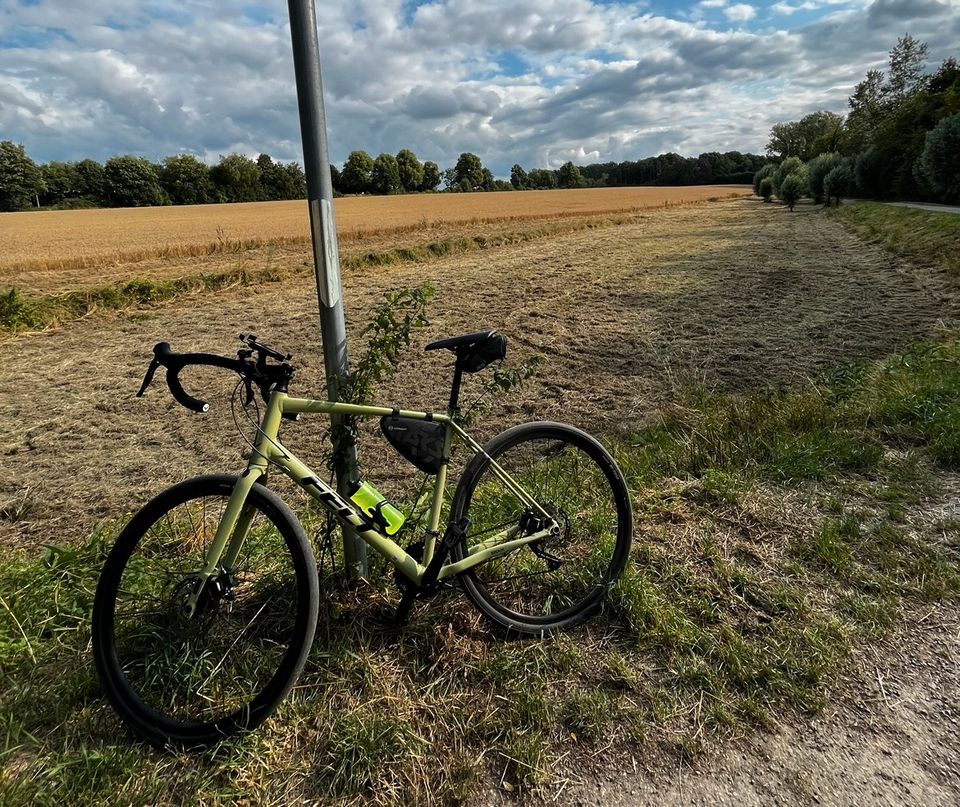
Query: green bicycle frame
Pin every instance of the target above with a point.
(235, 521)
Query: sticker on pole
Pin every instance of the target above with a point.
(326, 256)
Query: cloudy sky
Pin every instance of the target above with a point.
(532, 81)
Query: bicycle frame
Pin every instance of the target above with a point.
(235, 521)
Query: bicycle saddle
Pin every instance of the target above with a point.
(474, 351)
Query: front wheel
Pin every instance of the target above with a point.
(189, 677)
(559, 581)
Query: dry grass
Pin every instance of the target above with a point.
(67, 239)
(282, 259)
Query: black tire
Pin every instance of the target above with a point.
(181, 681)
(572, 476)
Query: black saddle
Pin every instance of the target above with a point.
(474, 351)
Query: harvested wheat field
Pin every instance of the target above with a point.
(737, 294)
(90, 238)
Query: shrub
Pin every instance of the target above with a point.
(817, 170)
(791, 189)
(766, 172)
(791, 165)
(766, 188)
(839, 182)
(940, 160)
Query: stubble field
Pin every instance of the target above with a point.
(735, 294)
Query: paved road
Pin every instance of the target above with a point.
(926, 206)
(917, 205)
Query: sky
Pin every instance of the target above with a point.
(535, 82)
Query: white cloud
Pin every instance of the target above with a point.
(740, 12)
(529, 81)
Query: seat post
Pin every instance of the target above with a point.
(455, 389)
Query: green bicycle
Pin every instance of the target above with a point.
(207, 604)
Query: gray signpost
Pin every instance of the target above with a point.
(326, 261)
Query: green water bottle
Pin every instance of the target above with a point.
(376, 508)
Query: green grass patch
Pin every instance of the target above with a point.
(922, 236)
(844, 423)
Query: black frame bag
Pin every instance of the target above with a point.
(418, 441)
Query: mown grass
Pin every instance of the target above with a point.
(23, 312)
(923, 236)
(775, 532)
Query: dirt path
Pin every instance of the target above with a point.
(895, 741)
(736, 294)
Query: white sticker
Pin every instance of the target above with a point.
(327, 261)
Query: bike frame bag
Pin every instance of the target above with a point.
(418, 441)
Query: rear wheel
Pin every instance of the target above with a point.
(561, 580)
(190, 680)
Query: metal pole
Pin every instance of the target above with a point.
(326, 260)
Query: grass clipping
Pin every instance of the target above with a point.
(775, 531)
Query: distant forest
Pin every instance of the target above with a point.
(182, 179)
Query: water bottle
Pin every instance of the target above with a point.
(376, 508)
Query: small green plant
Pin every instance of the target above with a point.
(585, 715)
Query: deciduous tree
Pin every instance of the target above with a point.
(468, 172)
(355, 176)
(569, 176)
(237, 179)
(518, 177)
(20, 178)
(431, 176)
(132, 182)
(411, 171)
(186, 180)
(940, 160)
(385, 175)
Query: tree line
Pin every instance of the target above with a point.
(899, 140)
(182, 179)
(128, 181)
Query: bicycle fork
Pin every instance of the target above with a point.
(231, 533)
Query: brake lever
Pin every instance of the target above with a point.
(148, 378)
(251, 341)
